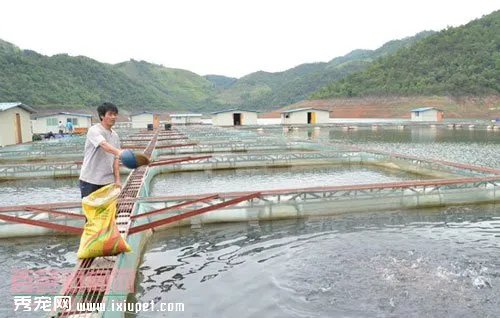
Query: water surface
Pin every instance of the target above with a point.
(49, 259)
(431, 263)
(259, 179)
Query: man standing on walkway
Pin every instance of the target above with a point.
(61, 128)
(102, 153)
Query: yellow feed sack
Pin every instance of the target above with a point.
(100, 235)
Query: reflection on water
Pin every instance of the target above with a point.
(430, 263)
(415, 135)
(214, 181)
(393, 134)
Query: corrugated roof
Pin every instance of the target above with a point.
(186, 115)
(423, 109)
(303, 109)
(5, 106)
(234, 110)
(145, 112)
(61, 113)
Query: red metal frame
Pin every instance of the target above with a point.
(368, 186)
(210, 197)
(176, 160)
(41, 210)
(13, 208)
(175, 138)
(50, 225)
(133, 147)
(454, 164)
(188, 214)
(176, 145)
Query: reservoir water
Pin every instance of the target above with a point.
(433, 263)
(440, 262)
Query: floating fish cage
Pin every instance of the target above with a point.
(206, 148)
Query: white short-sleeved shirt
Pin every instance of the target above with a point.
(97, 167)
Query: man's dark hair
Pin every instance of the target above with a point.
(106, 107)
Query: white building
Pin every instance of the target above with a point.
(43, 123)
(426, 114)
(302, 116)
(234, 117)
(145, 119)
(15, 123)
(185, 119)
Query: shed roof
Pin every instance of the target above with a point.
(145, 112)
(62, 113)
(303, 109)
(186, 115)
(423, 109)
(234, 110)
(5, 106)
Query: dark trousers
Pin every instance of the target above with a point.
(87, 188)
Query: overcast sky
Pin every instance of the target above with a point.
(224, 37)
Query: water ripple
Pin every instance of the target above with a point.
(362, 265)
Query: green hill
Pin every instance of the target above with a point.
(180, 89)
(262, 90)
(454, 62)
(62, 80)
(461, 61)
(220, 82)
(76, 82)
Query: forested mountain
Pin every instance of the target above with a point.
(456, 61)
(220, 82)
(79, 81)
(263, 90)
(75, 82)
(173, 88)
(461, 61)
